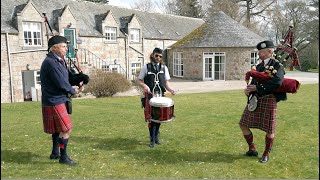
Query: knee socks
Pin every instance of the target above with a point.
(249, 139)
(269, 143)
(55, 144)
(63, 147)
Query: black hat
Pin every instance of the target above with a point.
(265, 44)
(157, 50)
(56, 40)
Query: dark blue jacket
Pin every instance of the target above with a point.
(55, 85)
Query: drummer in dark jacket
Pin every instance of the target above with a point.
(147, 82)
(55, 88)
(263, 117)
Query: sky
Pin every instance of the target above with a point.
(122, 3)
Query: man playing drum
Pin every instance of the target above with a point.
(148, 82)
(263, 115)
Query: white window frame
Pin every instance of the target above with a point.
(178, 60)
(254, 58)
(32, 35)
(134, 67)
(111, 33)
(135, 35)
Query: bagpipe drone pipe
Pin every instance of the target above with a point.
(285, 50)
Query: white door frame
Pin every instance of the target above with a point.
(212, 55)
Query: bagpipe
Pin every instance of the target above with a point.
(285, 50)
(76, 76)
(288, 85)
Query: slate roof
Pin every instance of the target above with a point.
(155, 25)
(220, 31)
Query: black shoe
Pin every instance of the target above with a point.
(251, 153)
(67, 161)
(264, 159)
(54, 156)
(151, 145)
(157, 142)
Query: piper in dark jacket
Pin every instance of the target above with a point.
(55, 88)
(264, 116)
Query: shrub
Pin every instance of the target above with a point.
(305, 65)
(106, 84)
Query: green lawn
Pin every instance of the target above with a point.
(110, 140)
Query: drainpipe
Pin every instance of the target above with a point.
(126, 55)
(10, 68)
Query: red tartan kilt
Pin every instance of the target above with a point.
(264, 117)
(56, 119)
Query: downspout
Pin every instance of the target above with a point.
(126, 55)
(142, 52)
(10, 68)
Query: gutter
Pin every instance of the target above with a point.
(10, 68)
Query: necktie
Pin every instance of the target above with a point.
(156, 67)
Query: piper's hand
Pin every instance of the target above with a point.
(146, 89)
(173, 92)
(246, 92)
(252, 88)
(81, 88)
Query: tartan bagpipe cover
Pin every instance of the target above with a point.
(288, 85)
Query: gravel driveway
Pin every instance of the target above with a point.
(184, 86)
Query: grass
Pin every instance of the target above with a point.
(110, 140)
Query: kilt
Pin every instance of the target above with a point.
(264, 117)
(56, 119)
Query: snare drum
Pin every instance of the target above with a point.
(162, 109)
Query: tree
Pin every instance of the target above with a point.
(189, 8)
(168, 6)
(255, 8)
(99, 1)
(144, 5)
(229, 7)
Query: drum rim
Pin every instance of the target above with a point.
(158, 121)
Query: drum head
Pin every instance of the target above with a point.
(161, 102)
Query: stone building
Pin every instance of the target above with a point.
(107, 37)
(220, 49)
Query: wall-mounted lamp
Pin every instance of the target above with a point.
(69, 25)
(28, 67)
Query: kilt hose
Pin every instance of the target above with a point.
(264, 117)
(56, 119)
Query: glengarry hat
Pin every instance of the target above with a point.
(56, 40)
(265, 44)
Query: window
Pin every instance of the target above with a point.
(178, 64)
(32, 33)
(254, 59)
(135, 35)
(135, 67)
(111, 33)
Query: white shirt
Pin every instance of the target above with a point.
(144, 72)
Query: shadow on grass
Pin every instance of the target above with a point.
(172, 157)
(17, 156)
(108, 143)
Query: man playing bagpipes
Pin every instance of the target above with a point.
(261, 112)
(147, 82)
(55, 88)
